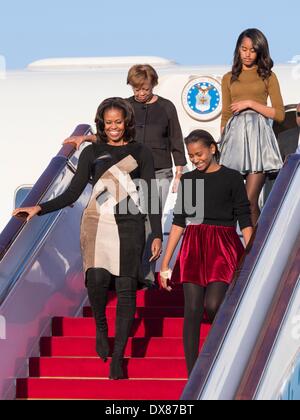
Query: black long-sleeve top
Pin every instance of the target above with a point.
(94, 161)
(225, 199)
(158, 127)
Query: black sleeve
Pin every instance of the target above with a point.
(175, 135)
(179, 215)
(241, 203)
(147, 174)
(78, 184)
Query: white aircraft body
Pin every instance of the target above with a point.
(41, 105)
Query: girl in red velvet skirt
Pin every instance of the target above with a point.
(211, 199)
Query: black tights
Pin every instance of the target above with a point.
(196, 299)
(98, 281)
(254, 186)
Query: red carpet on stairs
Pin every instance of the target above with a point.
(69, 368)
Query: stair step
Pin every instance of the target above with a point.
(154, 298)
(136, 347)
(44, 388)
(69, 367)
(149, 327)
(142, 312)
(95, 368)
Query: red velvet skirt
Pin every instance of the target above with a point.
(208, 254)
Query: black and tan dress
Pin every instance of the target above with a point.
(112, 227)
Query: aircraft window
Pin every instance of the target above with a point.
(21, 194)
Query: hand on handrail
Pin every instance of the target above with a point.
(75, 141)
(26, 212)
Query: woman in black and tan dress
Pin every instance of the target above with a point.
(158, 127)
(112, 228)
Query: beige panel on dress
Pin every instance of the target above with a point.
(100, 240)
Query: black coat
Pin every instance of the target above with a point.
(157, 126)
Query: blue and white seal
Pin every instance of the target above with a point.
(202, 98)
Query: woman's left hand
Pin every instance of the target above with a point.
(165, 277)
(240, 106)
(156, 249)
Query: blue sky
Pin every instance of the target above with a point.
(189, 31)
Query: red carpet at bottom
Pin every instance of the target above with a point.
(69, 368)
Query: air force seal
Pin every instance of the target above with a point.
(202, 98)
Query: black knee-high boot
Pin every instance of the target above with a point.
(126, 291)
(98, 281)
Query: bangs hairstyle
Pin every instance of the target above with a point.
(128, 113)
(203, 137)
(141, 73)
(264, 61)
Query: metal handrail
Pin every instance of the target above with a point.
(268, 335)
(57, 164)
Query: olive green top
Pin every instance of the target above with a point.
(250, 86)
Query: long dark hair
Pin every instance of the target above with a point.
(126, 108)
(261, 46)
(203, 137)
